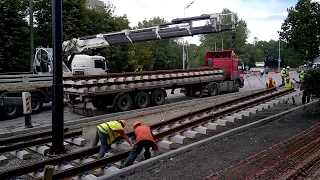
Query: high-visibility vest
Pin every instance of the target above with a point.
(283, 73)
(301, 76)
(110, 128)
(287, 72)
(143, 132)
(288, 84)
(271, 84)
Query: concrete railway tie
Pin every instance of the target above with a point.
(167, 135)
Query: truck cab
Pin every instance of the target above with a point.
(43, 62)
(228, 60)
(88, 65)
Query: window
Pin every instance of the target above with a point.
(99, 64)
(240, 66)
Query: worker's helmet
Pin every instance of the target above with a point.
(288, 78)
(283, 68)
(302, 71)
(123, 122)
(136, 124)
(270, 78)
(288, 67)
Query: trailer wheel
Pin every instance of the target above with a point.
(36, 103)
(124, 102)
(158, 97)
(11, 111)
(213, 89)
(142, 100)
(99, 102)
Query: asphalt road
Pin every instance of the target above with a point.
(44, 118)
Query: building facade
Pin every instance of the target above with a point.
(95, 4)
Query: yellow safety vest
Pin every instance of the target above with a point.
(273, 83)
(288, 85)
(110, 128)
(283, 73)
(301, 76)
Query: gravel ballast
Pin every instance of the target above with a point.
(203, 161)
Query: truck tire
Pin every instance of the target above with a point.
(123, 102)
(213, 89)
(158, 97)
(236, 86)
(99, 102)
(142, 100)
(36, 103)
(11, 112)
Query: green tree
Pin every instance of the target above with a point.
(301, 29)
(74, 18)
(14, 39)
(163, 54)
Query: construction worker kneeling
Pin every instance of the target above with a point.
(144, 139)
(288, 84)
(270, 83)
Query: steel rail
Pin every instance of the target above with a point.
(210, 108)
(79, 169)
(80, 154)
(36, 142)
(26, 137)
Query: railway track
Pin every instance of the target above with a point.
(84, 165)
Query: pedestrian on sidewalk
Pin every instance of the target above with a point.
(107, 132)
(144, 139)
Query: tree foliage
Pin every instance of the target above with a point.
(301, 29)
(300, 34)
(14, 39)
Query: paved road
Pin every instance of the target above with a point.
(44, 118)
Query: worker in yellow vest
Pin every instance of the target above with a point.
(107, 132)
(270, 83)
(288, 84)
(283, 74)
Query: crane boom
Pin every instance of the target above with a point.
(179, 27)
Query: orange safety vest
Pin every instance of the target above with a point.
(144, 133)
(270, 84)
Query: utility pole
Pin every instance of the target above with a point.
(279, 60)
(57, 87)
(31, 35)
(222, 43)
(183, 51)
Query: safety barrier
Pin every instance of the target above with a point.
(274, 161)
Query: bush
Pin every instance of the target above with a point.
(312, 82)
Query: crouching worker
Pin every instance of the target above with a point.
(144, 139)
(270, 83)
(108, 132)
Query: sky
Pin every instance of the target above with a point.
(263, 17)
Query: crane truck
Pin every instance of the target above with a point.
(88, 78)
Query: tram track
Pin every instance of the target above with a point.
(167, 133)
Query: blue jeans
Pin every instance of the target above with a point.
(137, 148)
(104, 142)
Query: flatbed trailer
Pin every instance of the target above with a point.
(142, 89)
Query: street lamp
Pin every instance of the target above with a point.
(183, 53)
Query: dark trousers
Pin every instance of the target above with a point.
(136, 150)
(104, 142)
(305, 97)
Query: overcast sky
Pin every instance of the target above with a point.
(263, 17)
